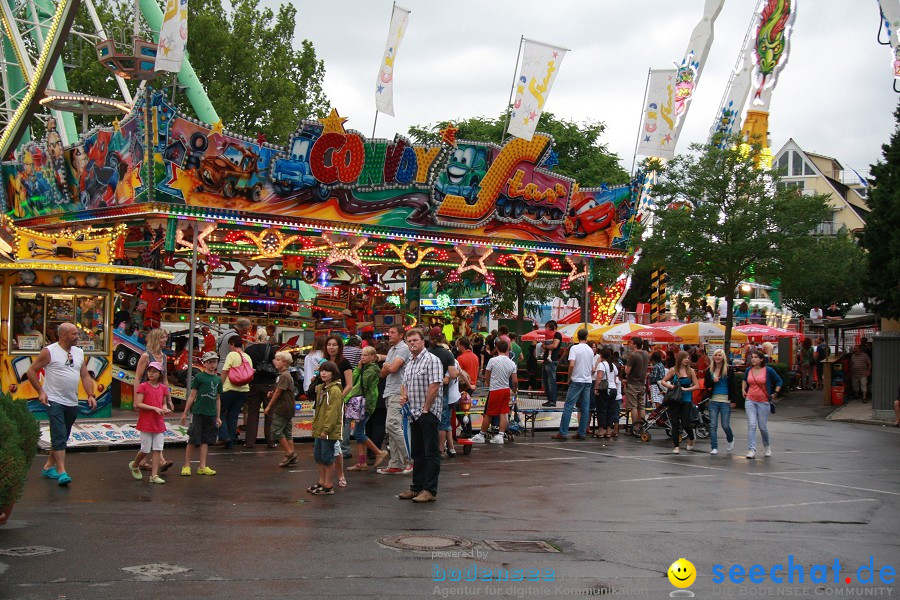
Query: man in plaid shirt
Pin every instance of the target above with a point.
(420, 394)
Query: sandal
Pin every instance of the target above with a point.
(165, 466)
(324, 491)
(316, 486)
(451, 453)
(342, 482)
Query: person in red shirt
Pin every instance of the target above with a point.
(152, 400)
(209, 340)
(468, 361)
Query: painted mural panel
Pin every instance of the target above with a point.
(325, 172)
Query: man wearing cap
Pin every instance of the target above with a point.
(64, 366)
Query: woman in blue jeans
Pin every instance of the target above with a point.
(719, 379)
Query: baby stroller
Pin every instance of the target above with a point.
(659, 417)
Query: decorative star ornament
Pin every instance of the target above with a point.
(448, 134)
(333, 123)
(574, 274)
(218, 127)
(116, 126)
(340, 252)
(480, 267)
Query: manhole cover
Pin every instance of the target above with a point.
(520, 546)
(155, 570)
(426, 543)
(29, 551)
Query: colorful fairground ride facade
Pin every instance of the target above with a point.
(307, 235)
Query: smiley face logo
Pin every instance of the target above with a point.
(682, 573)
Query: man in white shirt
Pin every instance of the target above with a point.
(502, 381)
(581, 363)
(815, 314)
(64, 366)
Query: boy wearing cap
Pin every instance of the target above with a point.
(205, 405)
(153, 401)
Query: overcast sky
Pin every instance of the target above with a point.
(834, 97)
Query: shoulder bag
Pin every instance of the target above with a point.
(241, 374)
(603, 384)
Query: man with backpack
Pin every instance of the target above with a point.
(264, 378)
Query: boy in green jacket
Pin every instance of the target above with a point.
(326, 426)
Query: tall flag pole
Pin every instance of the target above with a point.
(384, 85)
(540, 64)
(172, 37)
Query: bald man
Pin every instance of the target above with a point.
(63, 364)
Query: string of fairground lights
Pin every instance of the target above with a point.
(316, 227)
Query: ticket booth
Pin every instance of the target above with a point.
(47, 279)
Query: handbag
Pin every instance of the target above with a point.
(267, 367)
(241, 374)
(355, 408)
(673, 395)
(603, 384)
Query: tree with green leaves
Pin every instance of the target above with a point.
(243, 54)
(719, 218)
(582, 157)
(820, 270)
(880, 237)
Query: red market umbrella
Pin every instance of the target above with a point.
(539, 335)
(764, 333)
(654, 335)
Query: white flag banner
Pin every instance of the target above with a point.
(540, 64)
(657, 136)
(384, 86)
(172, 37)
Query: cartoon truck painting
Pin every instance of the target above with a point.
(234, 171)
(292, 174)
(466, 168)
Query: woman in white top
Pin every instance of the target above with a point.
(311, 364)
(606, 386)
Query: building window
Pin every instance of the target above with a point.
(791, 185)
(792, 164)
(827, 227)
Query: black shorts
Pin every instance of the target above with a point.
(202, 430)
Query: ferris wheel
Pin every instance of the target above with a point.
(34, 83)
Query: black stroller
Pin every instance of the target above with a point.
(659, 417)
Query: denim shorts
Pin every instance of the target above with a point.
(61, 420)
(445, 416)
(323, 451)
(359, 430)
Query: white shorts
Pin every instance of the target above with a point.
(151, 442)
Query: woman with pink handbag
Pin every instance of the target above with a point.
(237, 373)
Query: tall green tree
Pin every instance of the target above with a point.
(820, 270)
(581, 156)
(880, 237)
(243, 54)
(719, 217)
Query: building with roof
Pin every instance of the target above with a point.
(818, 174)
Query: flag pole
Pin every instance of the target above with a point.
(512, 87)
(375, 123)
(641, 120)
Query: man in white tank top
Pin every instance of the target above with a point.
(63, 364)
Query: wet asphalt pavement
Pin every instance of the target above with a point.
(619, 513)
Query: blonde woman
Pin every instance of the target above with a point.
(155, 341)
(720, 379)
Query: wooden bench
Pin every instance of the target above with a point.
(531, 404)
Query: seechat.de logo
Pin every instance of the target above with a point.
(797, 573)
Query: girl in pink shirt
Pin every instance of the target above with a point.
(152, 400)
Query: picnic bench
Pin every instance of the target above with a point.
(530, 403)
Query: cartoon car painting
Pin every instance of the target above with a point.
(466, 168)
(233, 171)
(293, 173)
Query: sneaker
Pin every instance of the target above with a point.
(425, 496)
(135, 471)
(730, 446)
(676, 451)
(408, 495)
(389, 471)
(751, 454)
(358, 467)
(205, 471)
(63, 479)
(714, 451)
(477, 438)
(156, 479)
(559, 436)
(549, 404)
(498, 439)
(768, 451)
(408, 469)
(186, 471)
(50, 473)
(690, 446)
